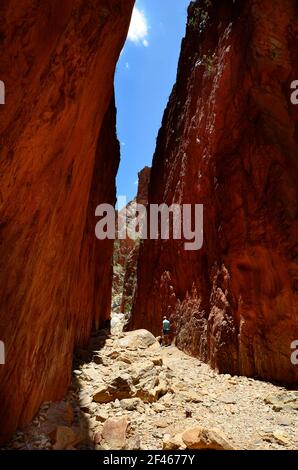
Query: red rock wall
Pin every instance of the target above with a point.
(143, 185)
(58, 160)
(229, 141)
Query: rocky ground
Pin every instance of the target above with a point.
(128, 392)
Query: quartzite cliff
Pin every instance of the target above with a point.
(58, 159)
(229, 141)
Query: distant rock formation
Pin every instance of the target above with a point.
(58, 159)
(122, 251)
(126, 251)
(143, 185)
(130, 277)
(229, 141)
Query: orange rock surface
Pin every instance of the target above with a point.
(58, 159)
(229, 141)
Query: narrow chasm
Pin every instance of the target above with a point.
(137, 343)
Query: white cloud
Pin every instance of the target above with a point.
(136, 182)
(138, 30)
(127, 66)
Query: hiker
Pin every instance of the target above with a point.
(166, 330)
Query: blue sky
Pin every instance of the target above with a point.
(145, 74)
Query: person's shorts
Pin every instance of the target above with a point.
(166, 332)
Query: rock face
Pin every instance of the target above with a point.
(114, 432)
(129, 281)
(58, 159)
(130, 277)
(126, 250)
(123, 248)
(143, 185)
(229, 141)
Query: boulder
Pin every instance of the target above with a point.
(173, 442)
(205, 439)
(138, 339)
(114, 433)
(66, 437)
